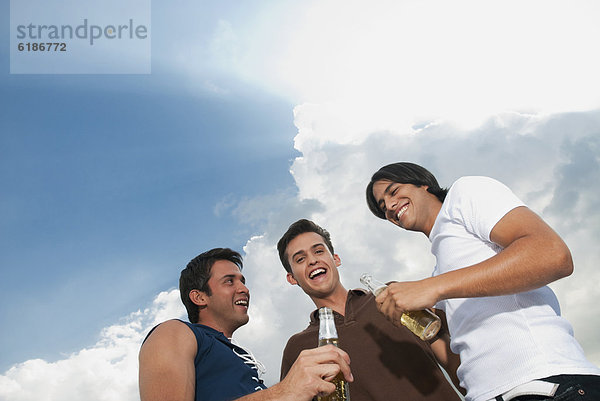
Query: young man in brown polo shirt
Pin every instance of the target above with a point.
(388, 362)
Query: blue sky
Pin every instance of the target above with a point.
(102, 190)
(259, 113)
(109, 187)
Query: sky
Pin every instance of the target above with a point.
(254, 115)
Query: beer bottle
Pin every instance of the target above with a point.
(423, 323)
(328, 335)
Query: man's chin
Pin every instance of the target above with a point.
(244, 320)
(318, 294)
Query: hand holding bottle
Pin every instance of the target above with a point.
(313, 373)
(423, 323)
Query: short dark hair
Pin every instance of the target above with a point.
(403, 173)
(295, 229)
(196, 274)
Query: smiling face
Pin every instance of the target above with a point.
(226, 309)
(407, 205)
(314, 268)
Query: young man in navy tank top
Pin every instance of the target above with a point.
(181, 361)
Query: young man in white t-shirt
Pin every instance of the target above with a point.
(494, 257)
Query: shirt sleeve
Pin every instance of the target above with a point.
(480, 203)
(288, 359)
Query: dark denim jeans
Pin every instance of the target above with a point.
(571, 388)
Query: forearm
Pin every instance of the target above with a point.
(275, 393)
(310, 375)
(528, 263)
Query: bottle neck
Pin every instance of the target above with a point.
(327, 330)
(372, 284)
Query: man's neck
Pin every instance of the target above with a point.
(434, 211)
(336, 300)
(217, 325)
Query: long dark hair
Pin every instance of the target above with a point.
(403, 173)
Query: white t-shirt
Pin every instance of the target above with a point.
(507, 340)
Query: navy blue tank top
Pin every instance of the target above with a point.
(224, 371)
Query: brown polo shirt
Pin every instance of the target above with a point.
(387, 362)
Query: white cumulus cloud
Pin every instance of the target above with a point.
(106, 371)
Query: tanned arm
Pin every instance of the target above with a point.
(167, 371)
(308, 377)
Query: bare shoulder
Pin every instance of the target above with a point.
(172, 335)
(166, 363)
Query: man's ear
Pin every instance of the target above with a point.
(291, 279)
(337, 260)
(198, 297)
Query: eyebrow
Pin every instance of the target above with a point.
(242, 278)
(312, 247)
